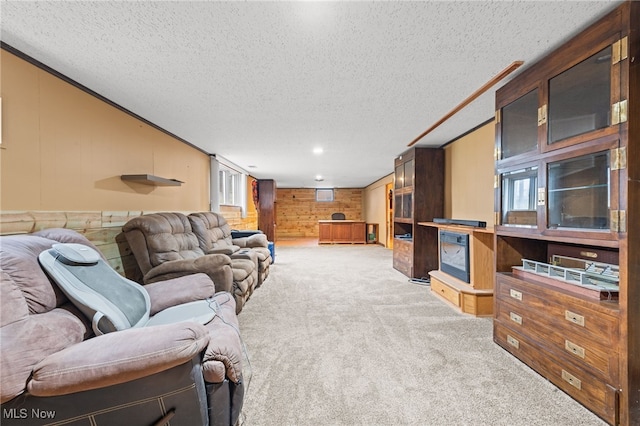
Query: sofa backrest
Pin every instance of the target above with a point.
(161, 237)
(212, 230)
(35, 315)
(19, 261)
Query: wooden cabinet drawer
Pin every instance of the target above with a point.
(586, 354)
(592, 320)
(403, 256)
(589, 390)
(445, 291)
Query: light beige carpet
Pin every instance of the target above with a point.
(336, 336)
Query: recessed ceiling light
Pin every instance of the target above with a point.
(318, 150)
(319, 178)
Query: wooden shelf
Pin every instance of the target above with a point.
(475, 297)
(151, 180)
(459, 228)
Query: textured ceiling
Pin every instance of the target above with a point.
(263, 83)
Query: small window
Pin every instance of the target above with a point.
(230, 187)
(324, 194)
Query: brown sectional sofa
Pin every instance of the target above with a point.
(53, 363)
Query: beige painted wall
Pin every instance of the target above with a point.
(375, 203)
(469, 171)
(63, 149)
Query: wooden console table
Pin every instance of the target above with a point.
(476, 297)
(341, 231)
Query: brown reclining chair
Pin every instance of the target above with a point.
(215, 236)
(166, 247)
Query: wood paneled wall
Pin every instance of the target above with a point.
(298, 212)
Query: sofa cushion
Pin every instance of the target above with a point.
(167, 293)
(14, 306)
(28, 341)
(19, 260)
(168, 236)
(213, 231)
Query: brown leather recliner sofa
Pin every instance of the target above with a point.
(55, 370)
(165, 246)
(215, 236)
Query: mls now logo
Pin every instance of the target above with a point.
(23, 413)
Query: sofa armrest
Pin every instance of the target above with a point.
(117, 357)
(225, 344)
(255, 240)
(216, 266)
(176, 291)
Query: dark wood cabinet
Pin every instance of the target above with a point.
(267, 208)
(566, 204)
(419, 197)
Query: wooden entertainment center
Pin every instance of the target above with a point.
(476, 296)
(568, 193)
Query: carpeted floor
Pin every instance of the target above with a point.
(336, 336)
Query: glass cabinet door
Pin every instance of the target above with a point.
(408, 173)
(580, 98)
(399, 177)
(397, 206)
(407, 207)
(519, 197)
(519, 126)
(578, 192)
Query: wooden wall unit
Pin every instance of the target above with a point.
(418, 197)
(267, 194)
(583, 161)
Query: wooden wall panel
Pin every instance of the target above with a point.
(298, 212)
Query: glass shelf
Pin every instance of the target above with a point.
(578, 192)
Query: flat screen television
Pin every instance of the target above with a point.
(454, 255)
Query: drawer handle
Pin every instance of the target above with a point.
(513, 342)
(574, 318)
(515, 294)
(515, 318)
(574, 349)
(572, 380)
